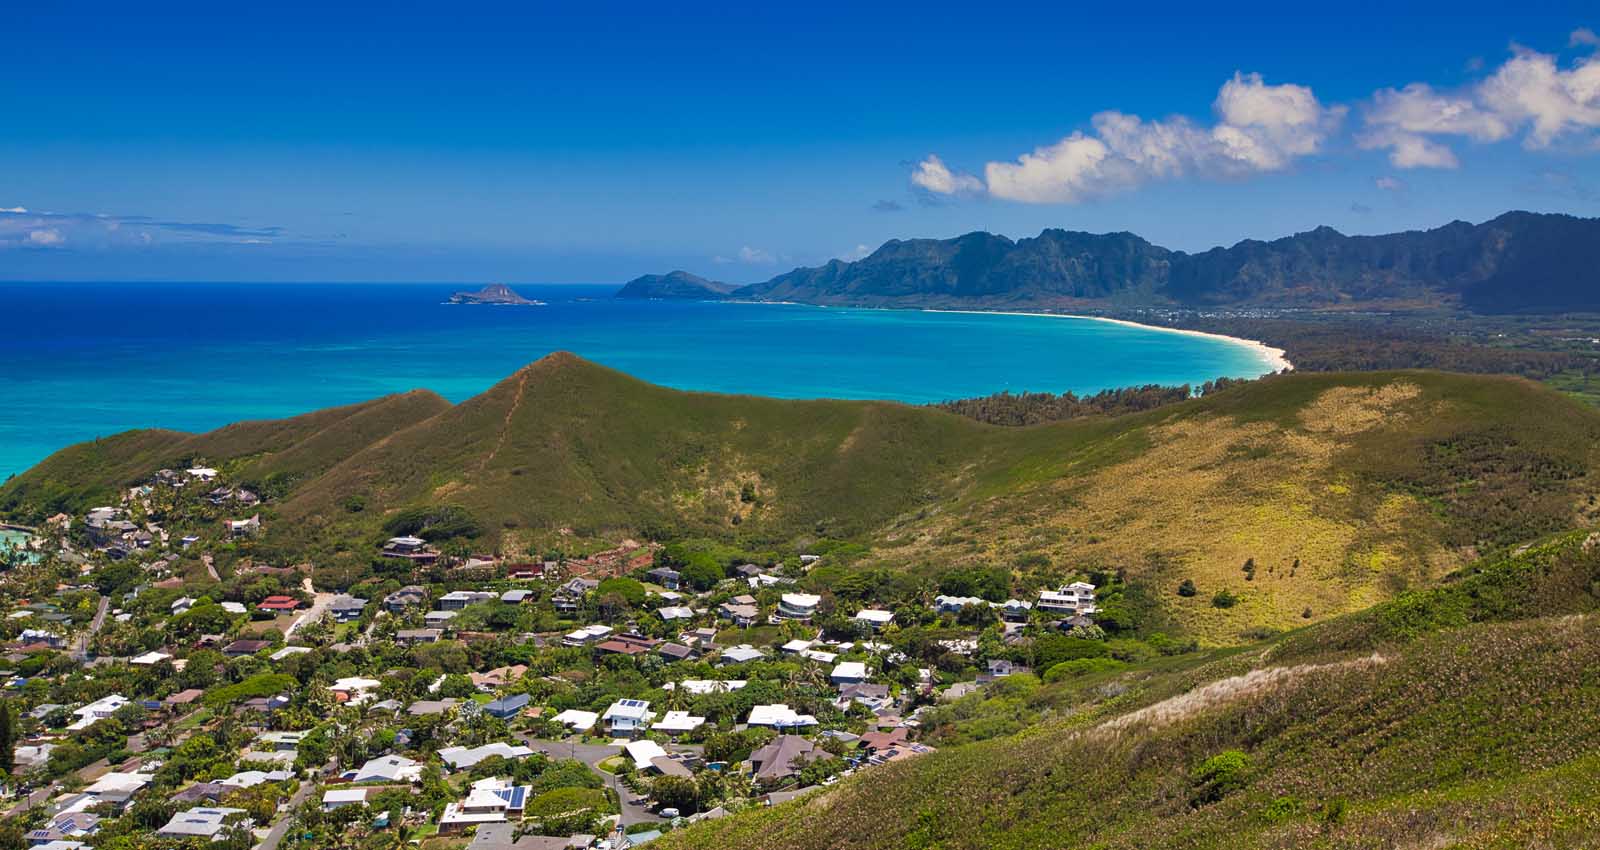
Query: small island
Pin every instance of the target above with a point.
(494, 293)
(678, 285)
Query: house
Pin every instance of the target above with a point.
(642, 752)
(676, 652)
(489, 801)
(465, 758)
(278, 604)
(211, 824)
(238, 528)
(183, 697)
(516, 597)
(346, 608)
(782, 758)
(667, 577)
(678, 723)
(1016, 610)
(586, 635)
(97, 711)
(701, 687)
(245, 647)
(675, 612)
(508, 706)
(413, 549)
(411, 637)
(874, 618)
(798, 606)
(954, 604)
(389, 768)
(742, 615)
(31, 637)
(427, 707)
(118, 788)
(499, 677)
(627, 717)
(338, 798)
(848, 673)
(778, 716)
(456, 600)
(524, 572)
(354, 689)
(410, 596)
(1075, 598)
(150, 659)
(576, 720)
(280, 741)
(287, 651)
(182, 604)
(439, 619)
(60, 830)
(740, 654)
(873, 696)
(629, 644)
(29, 757)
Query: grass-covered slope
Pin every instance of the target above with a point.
(1466, 728)
(1339, 490)
(295, 449)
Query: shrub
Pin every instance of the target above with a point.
(1187, 588)
(1219, 776)
(1081, 667)
(1224, 599)
(1281, 809)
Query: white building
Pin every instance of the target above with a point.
(586, 635)
(464, 758)
(849, 673)
(627, 717)
(1075, 598)
(798, 606)
(97, 711)
(779, 716)
(874, 618)
(701, 687)
(954, 604)
(489, 801)
(387, 769)
(677, 723)
(211, 824)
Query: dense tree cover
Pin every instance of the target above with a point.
(1026, 408)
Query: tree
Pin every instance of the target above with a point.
(8, 738)
(676, 792)
(1187, 588)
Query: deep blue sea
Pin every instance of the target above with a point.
(79, 361)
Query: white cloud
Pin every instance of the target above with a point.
(1528, 94)
(1260, 128)
(48, 236)
(747, 254)
(856, 253)
(14, 210)
(1583, 37)
(1389, 184)
(932, 174)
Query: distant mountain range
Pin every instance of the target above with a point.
(1518, 262)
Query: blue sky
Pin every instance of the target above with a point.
(532, 142)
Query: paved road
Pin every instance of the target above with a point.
(281, 828)
(319, 605)
(592, 755)
(80, 650)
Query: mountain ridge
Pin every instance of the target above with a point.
(1516, 262)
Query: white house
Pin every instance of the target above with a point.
(577, 720)
(677, 723)
(97, 711)
(779, 716)
(1075, 598)
(627, 717)
(798, 606)
(387, 769)
(586, 635)
(954, 604)
(465, 758)
(849, 673)
(874, 618)
(338, 798)
(205, 822)
(701, 687)
(490, 801)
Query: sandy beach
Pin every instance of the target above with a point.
(1275, 359)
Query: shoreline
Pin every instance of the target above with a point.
(1275, 358)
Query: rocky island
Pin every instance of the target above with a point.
(494, 293)
(676, 285)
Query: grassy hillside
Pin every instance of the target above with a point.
(1339, 490)
(1468, 727)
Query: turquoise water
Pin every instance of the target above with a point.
(15, 540)
(80, 361)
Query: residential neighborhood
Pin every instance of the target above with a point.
(165, 676)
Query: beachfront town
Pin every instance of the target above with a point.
(165, 682)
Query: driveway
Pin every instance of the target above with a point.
(281, 827)
(592, 755)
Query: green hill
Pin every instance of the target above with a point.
(1463, 717)
(1339, 490)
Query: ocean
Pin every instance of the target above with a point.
(84, 360)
